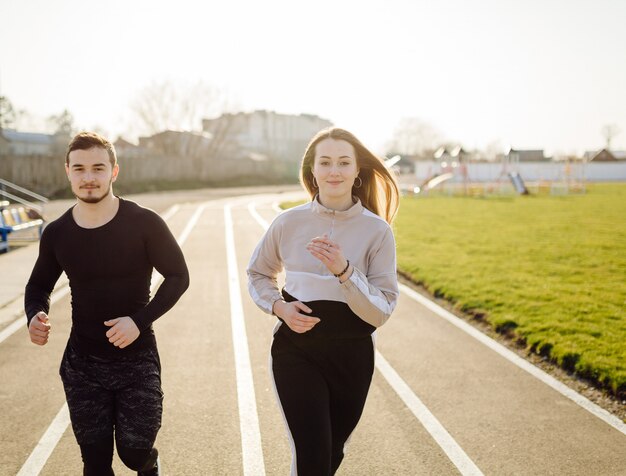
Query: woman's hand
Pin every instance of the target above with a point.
(289, 312)
(330, 254)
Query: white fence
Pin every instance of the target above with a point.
(530, 171)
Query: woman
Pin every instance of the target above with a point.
(338, 251)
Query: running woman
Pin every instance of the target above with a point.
(338, 252)
(110, 370)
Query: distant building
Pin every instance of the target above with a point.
(127, 150)
(174, 143)
(605, 155)
(262, 135)
(4, 145)
(34, 143)
(529, 155)
(122, 143)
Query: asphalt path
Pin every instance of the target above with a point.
(442, 402)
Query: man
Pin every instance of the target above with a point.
(110, 370)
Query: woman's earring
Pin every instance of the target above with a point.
(360, 182)
(315, 182)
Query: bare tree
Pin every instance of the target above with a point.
(182, 107)
(170, 106)
(609, 131)
(224, 131)
(62, 124)
(7, 113)
(493, 149)
(413, 136)
(26, 121)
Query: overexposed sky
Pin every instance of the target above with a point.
(529, 73)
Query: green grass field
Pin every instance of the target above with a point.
(550, 270)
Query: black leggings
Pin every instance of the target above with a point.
(322, 387)
(98, 457)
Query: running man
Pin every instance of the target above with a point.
(110, 370)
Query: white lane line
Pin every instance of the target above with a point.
(37, 459)
(44, 448)
(276, 207)
(193, 221)
(252, 450)
(170, 212)
(457, 456)
(259, 219)
(64, 289)
(20, 322)
(157, 278)
(12, 328)
(512, 357)
(256, 216)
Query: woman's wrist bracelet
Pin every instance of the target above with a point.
(344, 270)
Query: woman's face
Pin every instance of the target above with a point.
(335, 168)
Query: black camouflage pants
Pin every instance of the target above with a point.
(107, 396)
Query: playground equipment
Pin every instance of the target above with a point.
(518, 183)
(510, 172)
(392, 161)
(437, 180)
(451, 165)
(572, 178)
(523, 172)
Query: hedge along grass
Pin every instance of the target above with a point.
(551, 270)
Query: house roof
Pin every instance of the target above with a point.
(121, 142)
(617, 154)
(175, 133)
(28, 137)
(528, 154)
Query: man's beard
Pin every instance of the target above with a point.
(93, 199)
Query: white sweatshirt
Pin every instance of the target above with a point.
(365, 239)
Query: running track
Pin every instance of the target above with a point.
(445, 399)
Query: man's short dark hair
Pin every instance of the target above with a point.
(88, 140)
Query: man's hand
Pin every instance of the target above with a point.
(39, 328)
(123, 331)
(289, 312)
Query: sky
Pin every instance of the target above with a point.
(532, 74)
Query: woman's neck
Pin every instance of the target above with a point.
(338, 204)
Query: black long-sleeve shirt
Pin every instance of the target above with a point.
(109, 270)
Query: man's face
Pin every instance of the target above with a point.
(90, 174)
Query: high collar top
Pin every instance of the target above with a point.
(319, 209)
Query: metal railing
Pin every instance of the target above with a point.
(11, 196)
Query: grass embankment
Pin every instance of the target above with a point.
(286, 205)
(550, 270)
